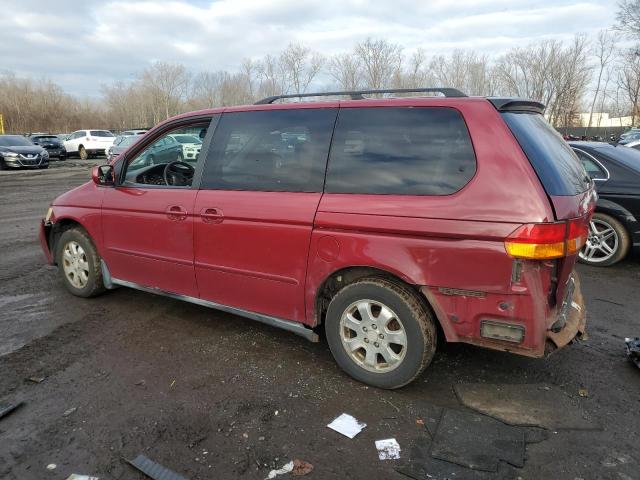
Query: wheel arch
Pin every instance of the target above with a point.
(344, 276)
(58, 228)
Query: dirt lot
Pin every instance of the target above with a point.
(147, 374)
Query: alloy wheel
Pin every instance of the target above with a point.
(373, 336)
(602, 242)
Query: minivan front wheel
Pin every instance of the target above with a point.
(380, 332)
(607, 242)
(79, 263)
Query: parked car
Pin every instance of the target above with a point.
(382, 221)
(615, 227)
(89, 143)
(133, 132)
(63, 136)
(629, 136)
(633, 144)
(165, 150)
(17, 151)
(51, 143)
(191, 146)
(120, 144)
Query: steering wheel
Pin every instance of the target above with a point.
(178, 173)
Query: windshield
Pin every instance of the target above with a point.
(187, 139)
(101, 133)
(556, 164)
(14, 141)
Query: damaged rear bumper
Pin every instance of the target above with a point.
(575, 324)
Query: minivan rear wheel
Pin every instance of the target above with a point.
(608, 241)
(79, 263)
(380, 332)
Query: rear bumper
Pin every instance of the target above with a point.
(462, 313)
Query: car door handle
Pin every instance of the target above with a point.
(212, 215)
(176, 212)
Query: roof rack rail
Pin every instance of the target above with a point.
(359, 94)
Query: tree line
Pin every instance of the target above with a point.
(599, 74)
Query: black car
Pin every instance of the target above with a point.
(51, 143)
(17, 151)
(615, 227)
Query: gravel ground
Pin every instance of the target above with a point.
(212, 395)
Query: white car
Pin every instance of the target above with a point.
(191, 146)
(87, 143)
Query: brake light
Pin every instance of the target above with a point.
(543, 241)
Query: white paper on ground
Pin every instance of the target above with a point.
(388, 449)
(281, 471)
(75, 476)
(347, 425)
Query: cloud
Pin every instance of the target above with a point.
(83, 45)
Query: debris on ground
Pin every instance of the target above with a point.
(477, 442)
(583, 392)
(388, 449)
(75, 476)
(69, 411)
(154, 470)
(288, 468)
(347, 425)
(36, 379)
(52, 466)
(420, 421)
(7, 409)
(301, 468)
(535, 404)
(633, 349)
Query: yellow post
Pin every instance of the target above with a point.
(1, 125)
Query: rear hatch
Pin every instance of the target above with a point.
(569, 188)
(102, 136)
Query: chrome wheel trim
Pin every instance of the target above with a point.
(373, 336)
(75, 264)
(602, 242)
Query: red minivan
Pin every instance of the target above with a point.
(389, 222)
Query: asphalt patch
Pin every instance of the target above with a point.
(537, 405)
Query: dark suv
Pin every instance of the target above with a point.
(383, 221)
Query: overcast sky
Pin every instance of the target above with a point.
(83, 44)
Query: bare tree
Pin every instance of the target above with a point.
(380, 62)
(629, 80)
(299, 66)
(167, 85)
(346, 70)
(628, 17)
(603, 50)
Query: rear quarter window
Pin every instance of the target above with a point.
(400, 151)
(553, 160)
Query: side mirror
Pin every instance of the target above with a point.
(103, 175)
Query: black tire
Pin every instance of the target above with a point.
(82, 153)
(414, 315)
(623, 242)
(3, 166)
(94, 285)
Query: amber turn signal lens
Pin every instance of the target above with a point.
(545, 241)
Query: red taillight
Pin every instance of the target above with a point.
(543, 241)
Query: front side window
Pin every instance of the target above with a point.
(270, 150)
(400, 151)
(165, 162)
